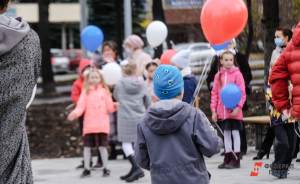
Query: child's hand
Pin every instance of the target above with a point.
(116, 105)
(72, 116)
(214, 117)
(235, 112)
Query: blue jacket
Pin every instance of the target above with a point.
(165, 146)
(190, 84)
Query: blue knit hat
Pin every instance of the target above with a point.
(168, 82)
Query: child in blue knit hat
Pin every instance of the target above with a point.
(174, 134)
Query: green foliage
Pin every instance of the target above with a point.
(296, 8)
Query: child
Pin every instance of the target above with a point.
(229, 119)
(173, 135)
(181, 60)
(150, 68)
(77, 86)
(95, 103)
(131, 93)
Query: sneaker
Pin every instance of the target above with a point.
(85, 173)
(106, 172)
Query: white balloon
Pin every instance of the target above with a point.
(112, 73)
(156, 33)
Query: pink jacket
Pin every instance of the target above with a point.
(96, 106)
(223, 77)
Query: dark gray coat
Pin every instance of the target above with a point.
(20, 59)
(165, 147)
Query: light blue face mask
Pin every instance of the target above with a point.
(278, 42)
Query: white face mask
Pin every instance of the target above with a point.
(128, 51)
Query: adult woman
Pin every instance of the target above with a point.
(20, 59)
(133, 46)
(109, 53)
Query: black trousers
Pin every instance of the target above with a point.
(285, 143)
(243, 135)
(268, 140)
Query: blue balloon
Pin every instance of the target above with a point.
(222, 46)
(92, 38)
(231, 96)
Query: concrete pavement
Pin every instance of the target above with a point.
(62, 171)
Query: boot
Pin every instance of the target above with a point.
(81, 166)
(85, 173)
(134, 168)
(106, 172)
(227, 159)
(280, 174)
(136, 174)
(260, 155)
(234, 163)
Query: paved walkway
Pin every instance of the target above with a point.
(61, 171)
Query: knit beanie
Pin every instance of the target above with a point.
(168, 82)
(181, 59)
(134, 41)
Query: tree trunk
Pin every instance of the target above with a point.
(250, 29)
(119, 26)
(271, 22)
(158, 14)
(47, 73)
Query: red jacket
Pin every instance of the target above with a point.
(287, 68)
(77, 85)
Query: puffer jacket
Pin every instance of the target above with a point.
(222, 78)
(287, 68)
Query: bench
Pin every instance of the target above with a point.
(259, 122)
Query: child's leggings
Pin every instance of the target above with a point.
(87, 156)
(127, 148)
(228, 141)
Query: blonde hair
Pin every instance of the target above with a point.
(130, 69)
(86, 85)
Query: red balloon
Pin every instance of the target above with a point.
(166, 57)
(223, 20)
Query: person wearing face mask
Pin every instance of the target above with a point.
(133, 46)
(282, 37)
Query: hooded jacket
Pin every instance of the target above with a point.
(131, 93)
(78, 83)
(96, 106)
(165, 146)
(287, 68)
(222, 78)
(20, 59)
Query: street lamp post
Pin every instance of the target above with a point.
(127, 18)
(83, 19)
